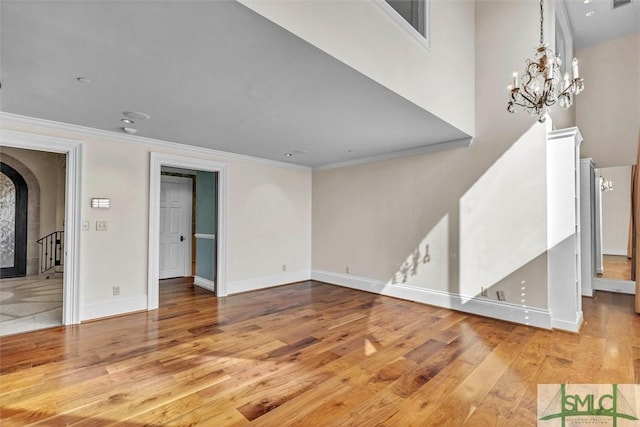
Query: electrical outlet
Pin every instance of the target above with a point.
(116, 290)
(347, 270)
(101, 226)
(484, 291)
(501, 296)
(284, 267)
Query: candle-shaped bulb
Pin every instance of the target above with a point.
(515, 79)
(574, 65)
(566, 81)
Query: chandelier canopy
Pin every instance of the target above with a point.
(541, 86)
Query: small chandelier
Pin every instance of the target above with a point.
(540, 86)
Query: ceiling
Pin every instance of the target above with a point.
(209, 73)
(604, 24)
(215, 74)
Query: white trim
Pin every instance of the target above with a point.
(114, 307)
(616, 252)
(458, 143)
(484, 307)
(618, 286)
(268, 281)
(71, 311)
(157, 160)
(205, 236)
(424, 40)
(204, 283)
(568, 326)
(134, 139)
(573, 132)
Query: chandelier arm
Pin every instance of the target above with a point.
(573, 85)
(530, 97)
(525, 105)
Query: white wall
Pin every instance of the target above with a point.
(46, 168)
(363, 36)
(482, 210)
(267, 201)
(608, 111)
(616, 210)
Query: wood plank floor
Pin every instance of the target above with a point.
(307, 354)
(616, 267)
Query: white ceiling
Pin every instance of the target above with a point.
(215, 74)
(209, 73)
(605, 24)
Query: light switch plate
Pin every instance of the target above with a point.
(101, 226)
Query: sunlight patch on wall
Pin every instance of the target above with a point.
(503, 216)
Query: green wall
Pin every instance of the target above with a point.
(206, 223)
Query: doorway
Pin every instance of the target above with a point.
(69, 152)
(612, 225)
(217, 241)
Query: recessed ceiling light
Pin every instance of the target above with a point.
(587, 1)
(590, 13)
(288, 154)
(127, 121)
(136, 115)
(130, 131)
(83, 80)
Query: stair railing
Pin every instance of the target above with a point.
(51, 251)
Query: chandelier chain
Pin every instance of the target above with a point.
(541, 85)
(541, 22)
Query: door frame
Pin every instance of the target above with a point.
(71, 310)
(157, 160)
(187, 249)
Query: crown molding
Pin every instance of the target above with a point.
(10, 118)
(449, 145)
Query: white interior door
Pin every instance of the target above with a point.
(175, 227)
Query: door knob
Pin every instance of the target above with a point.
(182, 238)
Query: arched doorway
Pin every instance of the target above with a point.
(13, 222)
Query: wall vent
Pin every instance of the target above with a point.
(620, 3)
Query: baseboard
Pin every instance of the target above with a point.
(568, 326)
(587, 292)
(204, 283)
(115, 307)
(613, 251)
(267, 281)
(619, 286)
(474, 305)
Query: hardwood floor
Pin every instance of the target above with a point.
(616, 267)
(307, 354)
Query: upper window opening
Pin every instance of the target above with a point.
(413, 11)
(411, 15)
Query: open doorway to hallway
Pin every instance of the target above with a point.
(33, 199)
(188, 227)
(218, 254)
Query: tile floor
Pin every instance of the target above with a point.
(29, 303)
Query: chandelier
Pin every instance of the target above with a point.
(540, 86)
